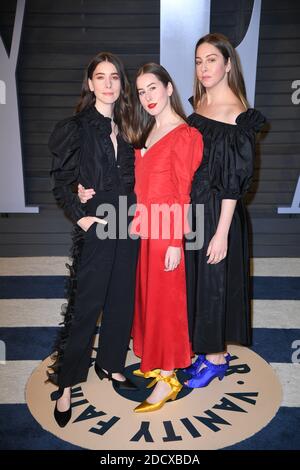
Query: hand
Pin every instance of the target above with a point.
(86, 222)
(217, 249)
(172, 258)
(85, 194)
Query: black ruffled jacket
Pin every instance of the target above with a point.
(83, 153)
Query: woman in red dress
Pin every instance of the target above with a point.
(167, 156)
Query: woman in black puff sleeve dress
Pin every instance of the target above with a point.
(92, 149)
(218, 273)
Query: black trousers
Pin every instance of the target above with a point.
(105, 282)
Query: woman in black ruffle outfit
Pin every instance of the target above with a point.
(103, 270)
(218, 278)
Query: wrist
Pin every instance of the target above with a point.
(82, 220)
(221, 234)
(174, 245)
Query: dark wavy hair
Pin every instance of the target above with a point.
(123, 108)
(143, 122)
(235, 77)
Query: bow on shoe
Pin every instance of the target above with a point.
(169, 379)
(146, 375)
(175, 387)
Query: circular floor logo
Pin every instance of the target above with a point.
(222, 414)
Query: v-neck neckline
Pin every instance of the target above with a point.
(115, 150)
(162, 138)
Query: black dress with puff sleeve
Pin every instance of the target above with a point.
(218, 295)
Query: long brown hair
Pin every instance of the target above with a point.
(123, 108)
(235, 77)
(143, 121)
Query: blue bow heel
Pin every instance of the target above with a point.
(207, 374)
(192, 369)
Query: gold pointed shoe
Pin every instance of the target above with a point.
(175, 385)
(146, 375)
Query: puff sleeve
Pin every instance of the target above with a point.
(64, 144)
(187, 157)
(231, 169)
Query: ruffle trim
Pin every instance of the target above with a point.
(251, 119)
(67, 309)
(96, 119)
(104, 128)
(127, 164)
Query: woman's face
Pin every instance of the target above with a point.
(153, 94)
(105, 83)
(210, 65)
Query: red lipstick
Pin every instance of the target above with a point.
(152, 105)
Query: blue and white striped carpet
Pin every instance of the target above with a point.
(31, 293)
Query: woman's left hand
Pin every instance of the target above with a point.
(85, 194)
(172, 258)
(217, 249)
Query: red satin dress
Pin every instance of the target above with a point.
(163, 176)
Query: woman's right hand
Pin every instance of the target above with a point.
(172, 258)
(85, 194)
(86, 222)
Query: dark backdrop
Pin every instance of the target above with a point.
(59, 38)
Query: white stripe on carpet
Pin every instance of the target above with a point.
(30, 312)
(34, 266)
(13, 378)
(275, 267)
(276, 313)
(289, 376)
(46, 312)
(55, 265)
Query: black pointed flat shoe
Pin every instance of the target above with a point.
(62, 417)
(121, 385)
